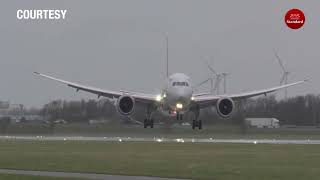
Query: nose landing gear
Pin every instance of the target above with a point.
(179, 116)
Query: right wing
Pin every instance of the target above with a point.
(201, 94)
(139, 97)
(210, 100)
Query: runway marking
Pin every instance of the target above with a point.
(81, 175)
(161, 140)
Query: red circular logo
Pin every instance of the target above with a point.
(294, 18)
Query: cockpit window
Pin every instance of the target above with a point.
(180, 84)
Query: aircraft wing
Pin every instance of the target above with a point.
(201, 94)
(139, 97)
(205, 101)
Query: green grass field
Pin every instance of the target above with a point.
(184, 160)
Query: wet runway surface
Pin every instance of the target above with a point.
(161, 140)
(81, 175)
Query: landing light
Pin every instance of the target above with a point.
(179, 106)
(192, 98)
(158, 98)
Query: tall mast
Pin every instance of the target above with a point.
(167, 52)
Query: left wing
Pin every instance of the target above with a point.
(139, 97)
(204, 101)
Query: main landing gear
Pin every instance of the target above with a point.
(196, 123)
(148, 121)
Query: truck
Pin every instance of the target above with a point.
(262, 122)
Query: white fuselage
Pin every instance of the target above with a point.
(177, 93)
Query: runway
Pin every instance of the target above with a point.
(161, 140)
(81, 175)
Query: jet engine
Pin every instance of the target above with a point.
(225, 107)
(125, 105)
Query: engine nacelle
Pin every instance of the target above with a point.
(125, 105)
(225, 107)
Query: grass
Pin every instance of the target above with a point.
(30, 177)
(183, 160)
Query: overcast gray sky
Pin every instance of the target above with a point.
(120, 44)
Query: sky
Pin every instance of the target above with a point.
(120, 44)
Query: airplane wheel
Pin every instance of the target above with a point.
(151, 123)
(193, 124)
(178, 116)
(200, 124)
(181, 116)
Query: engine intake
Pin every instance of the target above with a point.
(225, 107)
(125, 105)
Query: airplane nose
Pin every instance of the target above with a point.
(179, 95)
(181, 99)
(182, 96)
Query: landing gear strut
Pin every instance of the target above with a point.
(148, 121)
(179, 116)
(196, 123)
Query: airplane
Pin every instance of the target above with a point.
(176, 99)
